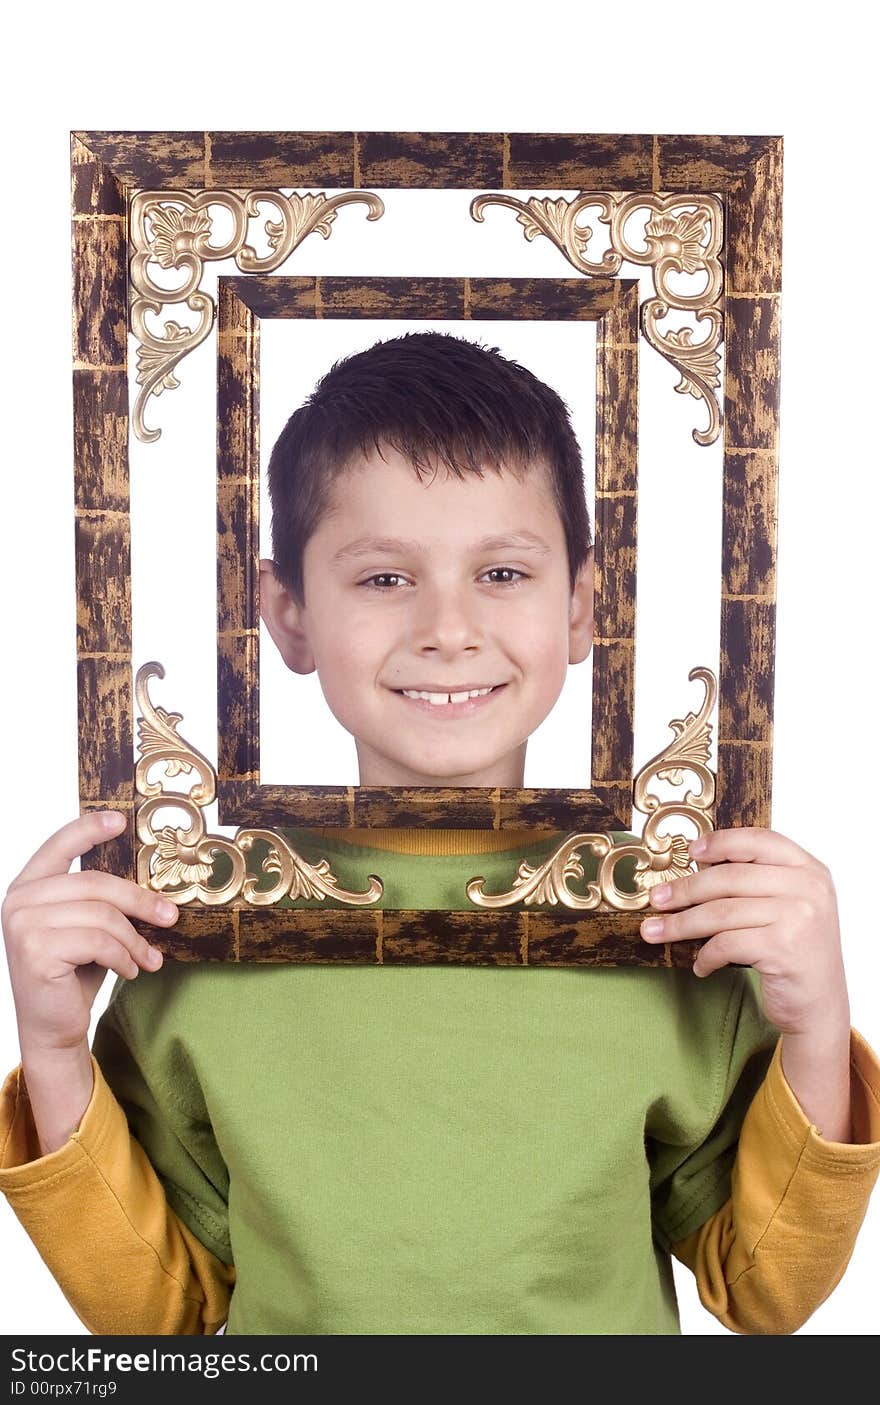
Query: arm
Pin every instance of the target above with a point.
(779, 1246)
(798, 1197)
(173, 1284)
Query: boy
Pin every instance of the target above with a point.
(438, 1149)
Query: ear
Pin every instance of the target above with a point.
(283, 617)
(580, 629)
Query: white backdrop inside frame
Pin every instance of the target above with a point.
(173, 487)
(300, 741)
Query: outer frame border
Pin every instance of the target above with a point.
(106, 167)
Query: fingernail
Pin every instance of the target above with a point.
(154, 956)
(653, 927)
(111, 818)
(166, 909)
(661, 893)
(697, 846)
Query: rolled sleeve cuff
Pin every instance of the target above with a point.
(863, 1152)
(22, 1166)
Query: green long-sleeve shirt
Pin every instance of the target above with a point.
(438, 1149)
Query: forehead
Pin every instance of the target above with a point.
(378, 497)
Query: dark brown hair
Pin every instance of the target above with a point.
(431, 396)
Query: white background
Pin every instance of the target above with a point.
(554, 69)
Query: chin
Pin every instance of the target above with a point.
(451, 774)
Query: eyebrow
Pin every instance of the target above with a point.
(393, 546)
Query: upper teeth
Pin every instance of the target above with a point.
(441, 699)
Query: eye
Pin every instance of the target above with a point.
(384, 580)
(511, 576)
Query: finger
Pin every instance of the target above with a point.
(66, 917)
(740, 947)
(729, 880)
(84, 946)
(748, 845)
(70, 842)
(723, 915)
(121, 893)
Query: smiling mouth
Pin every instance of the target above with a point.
(466, 699)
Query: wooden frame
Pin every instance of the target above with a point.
(242, 303)
(744, 172)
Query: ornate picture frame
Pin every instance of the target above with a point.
(714, 202)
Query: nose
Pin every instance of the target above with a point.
(447, 623)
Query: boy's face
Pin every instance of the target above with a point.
(440, 586)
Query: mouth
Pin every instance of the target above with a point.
(458, 702)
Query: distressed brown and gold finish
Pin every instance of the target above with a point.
(745, 174)
(102, 535)
(748, 586)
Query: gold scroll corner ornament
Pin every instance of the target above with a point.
(179, 862)
(174, 230)
(660, 858)
(683, 235)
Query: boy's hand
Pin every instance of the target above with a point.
(64, 930)
(767, 903)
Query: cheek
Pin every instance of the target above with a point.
(348, 654)
(542, 647)
(552, 673)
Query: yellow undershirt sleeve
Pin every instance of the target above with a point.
(778, 1247)
(126, 1263)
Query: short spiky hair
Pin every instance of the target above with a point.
(433, 397)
